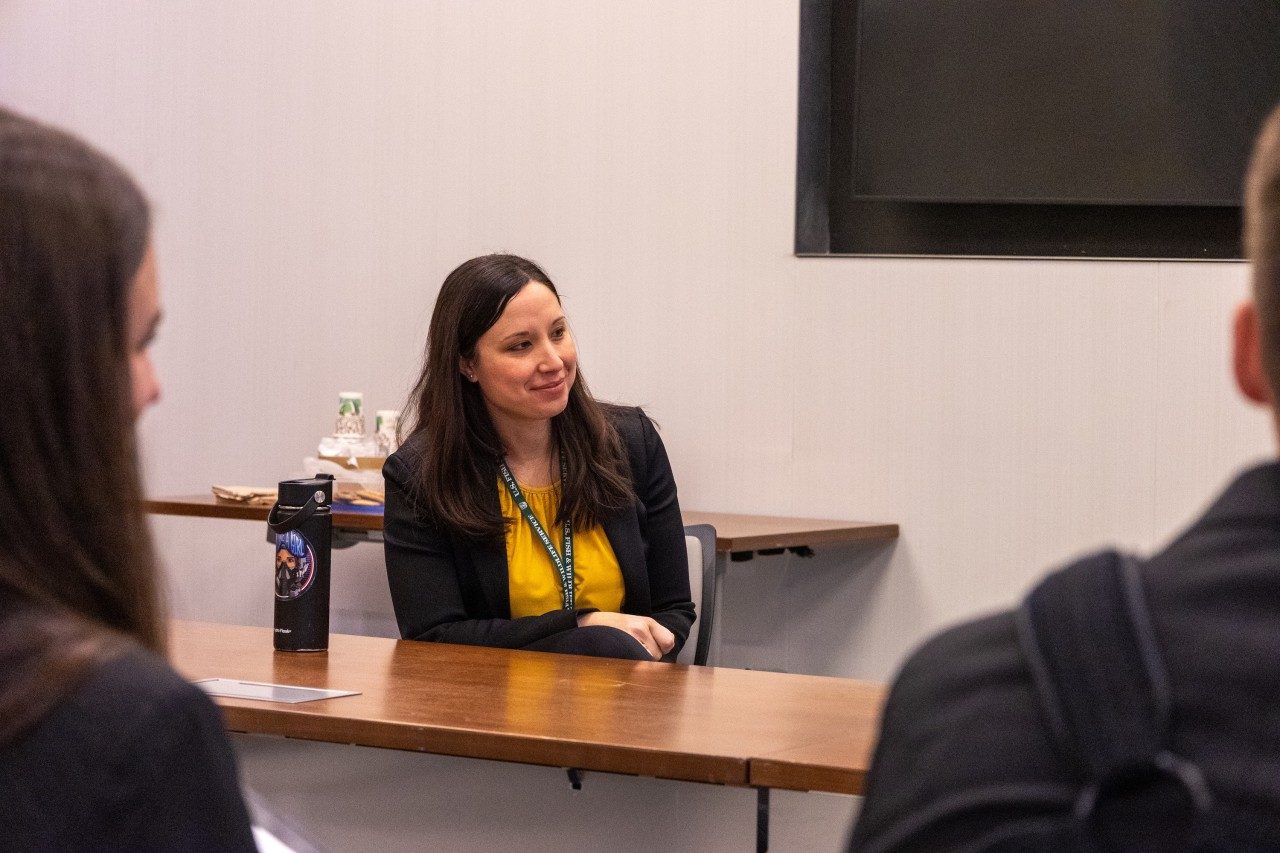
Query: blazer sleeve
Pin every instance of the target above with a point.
(423, 572)
(667, 557)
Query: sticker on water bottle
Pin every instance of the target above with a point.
(295, 565)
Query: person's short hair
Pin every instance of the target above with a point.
(1262, 240)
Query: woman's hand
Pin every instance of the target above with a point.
(656, 639)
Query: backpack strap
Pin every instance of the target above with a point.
(1086, 634)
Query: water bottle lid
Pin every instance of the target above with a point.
(298, 492)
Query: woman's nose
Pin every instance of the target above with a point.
(551, 359)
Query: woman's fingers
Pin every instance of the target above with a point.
(651, 634)
(639, 629)
(664, 639)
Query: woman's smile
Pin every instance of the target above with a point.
(550, 387)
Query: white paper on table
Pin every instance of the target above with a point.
(289, 693)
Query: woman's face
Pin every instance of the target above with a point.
(144, 318)
(526, 362)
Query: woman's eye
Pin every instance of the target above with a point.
(522, 345)
(557, 334)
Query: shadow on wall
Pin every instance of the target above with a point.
(813, 615)
(344, 797)
(360, 601)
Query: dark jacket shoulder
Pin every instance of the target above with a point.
(630, 422)
(133, 758)
(638, 435)
(125, 698)
(406, 457)
(962, 722)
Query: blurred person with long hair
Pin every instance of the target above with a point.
(102, 745)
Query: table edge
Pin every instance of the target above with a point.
(850, 532)
(240, 716)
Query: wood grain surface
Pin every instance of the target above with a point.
(700, 724)
(733, 532)
(753, 532)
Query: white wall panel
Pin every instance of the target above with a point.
(318, 167)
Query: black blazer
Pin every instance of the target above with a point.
(133, 758)
(451, 589)
(966, 754)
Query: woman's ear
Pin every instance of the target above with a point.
(467, 369)
(1251, 377)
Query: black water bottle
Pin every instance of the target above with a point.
(302, 523)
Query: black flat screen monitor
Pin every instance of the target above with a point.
(987, 109)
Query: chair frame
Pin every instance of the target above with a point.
(706, 536)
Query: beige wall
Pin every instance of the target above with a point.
(318, 167)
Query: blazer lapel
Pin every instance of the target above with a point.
(490, 561)
(623, 531)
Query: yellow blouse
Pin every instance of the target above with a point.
(532, 580)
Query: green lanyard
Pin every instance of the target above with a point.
(563, 566)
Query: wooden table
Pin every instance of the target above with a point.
(744, 534)
(738, 534)
(207, 506)
(699, 724)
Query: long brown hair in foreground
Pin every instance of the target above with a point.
(455, 484)
(77, 576)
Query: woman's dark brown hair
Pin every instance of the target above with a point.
(456, 481)
(77, 575)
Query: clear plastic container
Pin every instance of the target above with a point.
(349, 441)
(350, 454)
(387, 430)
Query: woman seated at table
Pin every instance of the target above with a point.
(515, 478)
(102, 746)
